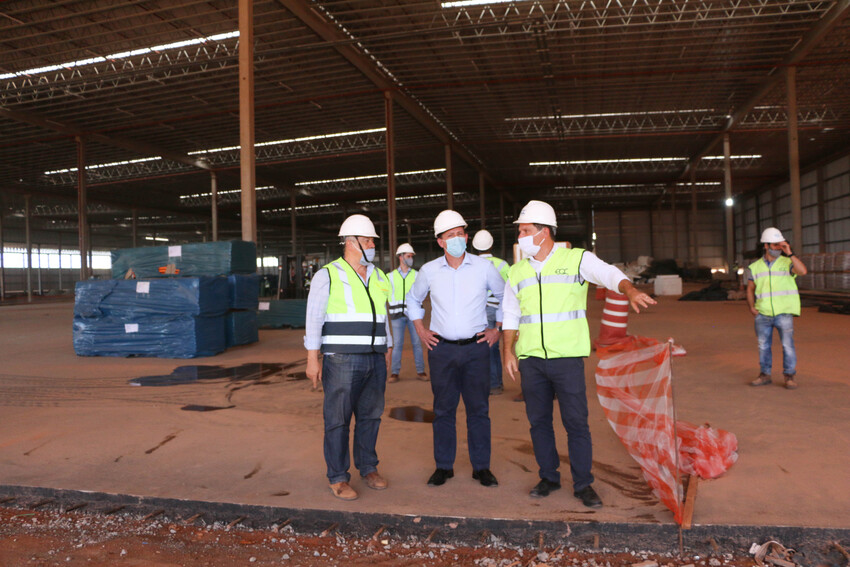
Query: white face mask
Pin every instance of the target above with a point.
(527, 245)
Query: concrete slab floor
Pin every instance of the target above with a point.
(76, 423)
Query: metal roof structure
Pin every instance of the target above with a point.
(587, 104)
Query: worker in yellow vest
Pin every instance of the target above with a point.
(401, 281)
(483, 243)
(347, 321)
(545, 313)
(774, 301)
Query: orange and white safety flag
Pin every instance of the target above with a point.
(635, 390)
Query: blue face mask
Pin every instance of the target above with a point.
(456, 246)
(367, 255)
(774, 253)
(408, 262)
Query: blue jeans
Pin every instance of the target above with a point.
(461, 370)
(495, 353)
(398, 326)
(353, 384)
(542, 380)
(784, 323)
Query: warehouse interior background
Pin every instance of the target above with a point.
(677, 130)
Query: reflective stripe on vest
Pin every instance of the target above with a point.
(400, 288)
(356, 316)
(776, 289)
(503, 268)
(553, 306)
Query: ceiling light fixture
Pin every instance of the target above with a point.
(363, 177)
(292, 140)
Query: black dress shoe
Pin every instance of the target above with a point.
(589, 497)
(440, 477)
(543, 488)
(485, 477)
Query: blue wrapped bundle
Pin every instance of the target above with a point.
(198, 259)
(241, 328)
(244, 291)
(131, 299)
(181, 336)
(283, 313)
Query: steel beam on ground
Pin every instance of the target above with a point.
(794, 156)
(247, 154)
(450, 192)
(28, 237)
(391, 208)
(727, 187)
(214, 205)
(82, 208)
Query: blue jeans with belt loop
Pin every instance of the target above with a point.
(784, 324)
(461, 370)
(354, 384)
(542, 380)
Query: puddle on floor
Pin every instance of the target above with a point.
(196, 373)
(412, 413)
(194, 407)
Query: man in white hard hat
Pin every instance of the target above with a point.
(402, 280)
(458, 344)
(545, 308)
(774, 302)
(347, 321)
(483, 243)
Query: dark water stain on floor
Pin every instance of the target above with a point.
(195, 407)
(412, 413)
(250, 371)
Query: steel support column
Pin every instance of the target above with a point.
(60, 261)
(2, 261)
(675, 222)
(38, 270)
(294, 234)
(214, 205)
(247, 155)
(794, 157)
(391, 209)
(450, 192)
(727, 186)
(28, 237)
(502, 225)
(481, 208)
(692, 228)
(820, 208)
(82, 209)
(134, 227)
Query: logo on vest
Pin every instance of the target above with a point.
(562, 272)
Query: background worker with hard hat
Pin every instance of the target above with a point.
(774, 301)
(402, 280)
(347, 320)
(545, 307)
(458, 341)
(483, 242)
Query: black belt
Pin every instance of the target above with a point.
(461, 341)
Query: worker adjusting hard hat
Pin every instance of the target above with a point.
(482, 240)
(404, 249)
(358, 225)
(537, 212)
(772, 236)
(447, 220)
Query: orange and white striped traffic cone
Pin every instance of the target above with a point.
(615, 320)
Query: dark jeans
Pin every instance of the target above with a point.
(495, 352)
(542, 380)
(353, 384)
(461, 370)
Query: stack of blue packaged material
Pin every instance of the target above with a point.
(278, 313)
(166, 316)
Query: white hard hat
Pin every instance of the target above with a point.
(405, 249)
(447, 220)
(358, 225)
(537, 212)
(483, 240)
(772, 235)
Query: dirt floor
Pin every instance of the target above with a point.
(255, 438)
(30, 537)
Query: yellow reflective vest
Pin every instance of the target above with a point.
(356, 316)
(400, 286)
(776, 288)
(553, 306)
(503, 268)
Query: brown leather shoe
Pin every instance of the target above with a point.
(422, 376)
(762, 380)
(343, 491)
(393, 378)
(790, 383)
(375, 481)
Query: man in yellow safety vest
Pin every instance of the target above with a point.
(545, 312)
(402, 280)
(774, 301)
(347, 321)
(483, 243)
